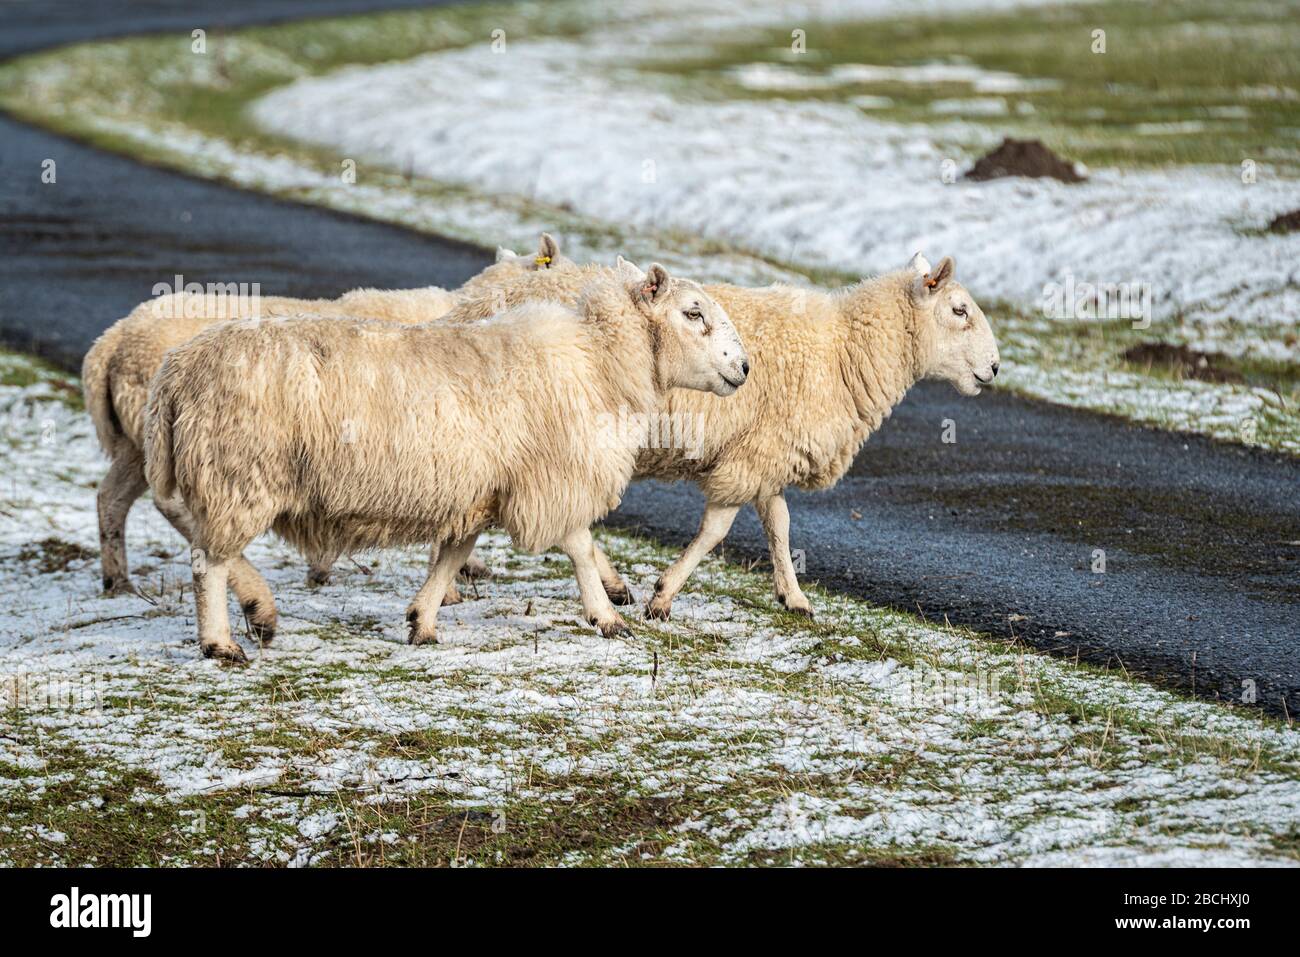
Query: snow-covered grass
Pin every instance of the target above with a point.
(689, 132)
(1193, 82)
(735, 734)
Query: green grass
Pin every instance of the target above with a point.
(1165, 62)
(110, 816)
(210, 91)
(23, 371)
(109, 813)
(113, 816)
(1028, 341)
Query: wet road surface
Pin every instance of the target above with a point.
(998, 530)
(1201, 541)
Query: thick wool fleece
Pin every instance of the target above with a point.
(120, 365)
(351, 434)
(117, 370)
(827, 369)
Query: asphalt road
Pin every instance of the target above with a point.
(1201, 541)
(27, 25)
(83, 251)
(1201, 586)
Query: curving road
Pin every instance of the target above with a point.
(83, 251)
(1201, 586)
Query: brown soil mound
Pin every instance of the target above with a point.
(54, 554)
(1285, 222)
(1023, 158)
(1189, 363)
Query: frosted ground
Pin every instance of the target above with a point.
(821, 185)
(619, 156)
(735, 734)
(818, 185)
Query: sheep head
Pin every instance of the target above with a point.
(699, 347)
(963, 350)
(510, 265)
(548, 256)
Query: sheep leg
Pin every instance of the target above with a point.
(318, 568)
(713, 529)
(124, 483)
(422, 614)
(475, 567)
(612, 581)
(452, 595)
(210, 579)
(775, 516)
(254, 594)
(596, 606)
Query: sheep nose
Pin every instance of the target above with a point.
(744, 368)
(995, 369)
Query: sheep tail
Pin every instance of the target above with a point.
(159, 461)
(97, 390)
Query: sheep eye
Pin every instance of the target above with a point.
(960, 310)
(694, 314)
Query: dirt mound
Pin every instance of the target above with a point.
(54, 554)
(1285, 222)
(1023, 158)
(1188, 363)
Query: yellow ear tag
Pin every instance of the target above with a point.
(542, 260)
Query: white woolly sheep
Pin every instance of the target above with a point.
(345, 434)
(120, 365)
(828, 368)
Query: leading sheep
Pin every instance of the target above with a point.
(828, 368)
(351, 434)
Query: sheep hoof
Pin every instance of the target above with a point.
(264, 629)
(800, 607)
(117, 586)
(317, 577)
(228, 652)
(616, 627)
(415, 635)
(263, 633)
(620, 594)
(659, 609)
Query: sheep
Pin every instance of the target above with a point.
(828, 369)
(547, 260)
(423, 305)
(344, 434)
(119, 366)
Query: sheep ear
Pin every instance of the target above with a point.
(548, 250)
(920, 264)
(935, 279)
(629, 272)
(655, 286)
(503, 254)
